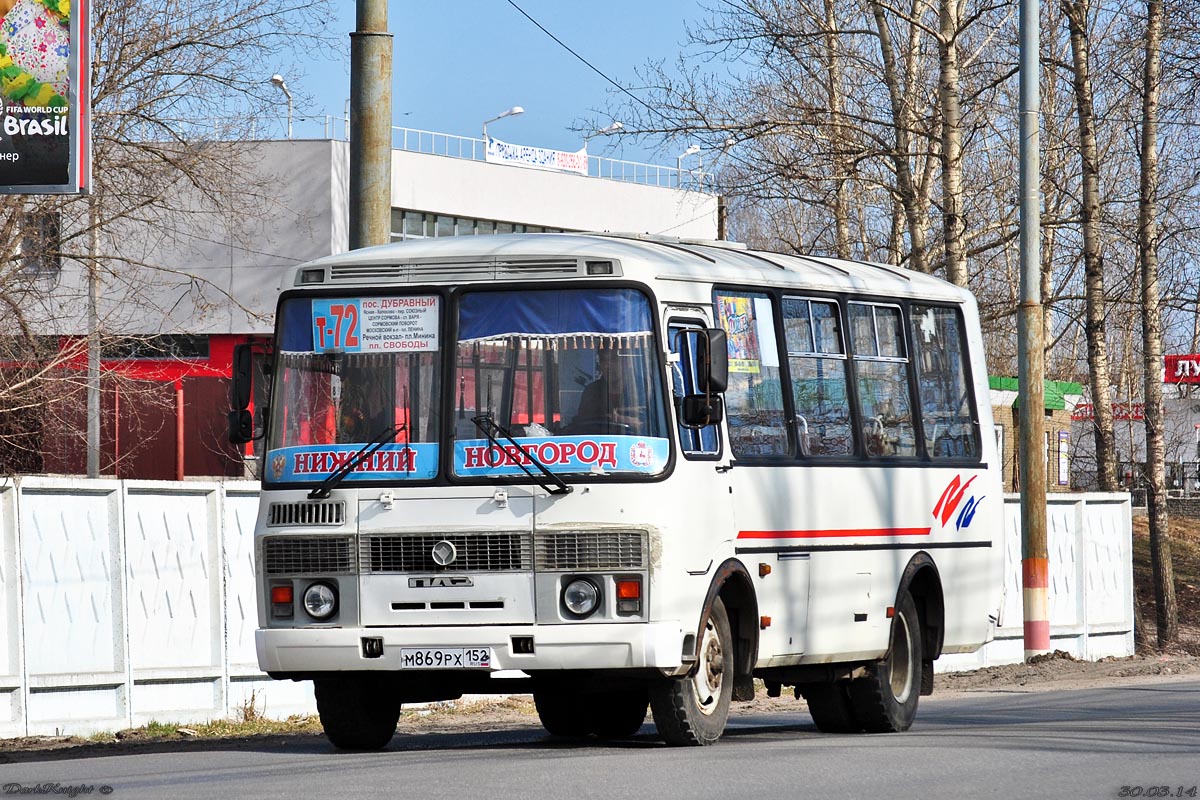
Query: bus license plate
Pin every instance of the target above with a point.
(445, 658)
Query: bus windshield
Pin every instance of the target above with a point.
(347, 371)
(571, 374)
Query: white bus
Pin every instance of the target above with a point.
(621, 472)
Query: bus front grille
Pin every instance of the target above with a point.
(306, 513)
(473, 552)
(579, 550)
(308, 555)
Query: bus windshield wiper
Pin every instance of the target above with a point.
(322, 489)
(552, 483)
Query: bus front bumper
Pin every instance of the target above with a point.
(556, 647)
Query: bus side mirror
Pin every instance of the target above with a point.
(241, 427)
(715, 357)
(699, 411)
(707, 350)
(241, 421)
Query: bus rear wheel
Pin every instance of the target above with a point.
(885, 700)
(562, 712)
(692, 710)
(357, 712)
(618, 714)
(830, 707)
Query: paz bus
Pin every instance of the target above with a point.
(620, 473)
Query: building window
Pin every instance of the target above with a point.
(41, 243)
(422, 225)
(167, 346)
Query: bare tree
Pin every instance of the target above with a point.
(1077, 14)
(1166, 616)
(177, 84)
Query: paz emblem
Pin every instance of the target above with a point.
(444, 553)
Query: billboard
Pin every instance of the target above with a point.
(1181, 368)
(498, 152)
(45, 113)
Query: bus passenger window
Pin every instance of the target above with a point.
(693, 441)
(754, 397)
(881, 371)
(946, 413)
(817, 361)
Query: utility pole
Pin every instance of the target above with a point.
(370, 126)
(93, 348)
(1035, 571)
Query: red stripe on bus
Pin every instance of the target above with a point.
(843, 533)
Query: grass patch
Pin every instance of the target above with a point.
(1185, 561)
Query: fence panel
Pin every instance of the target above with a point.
(129, 601)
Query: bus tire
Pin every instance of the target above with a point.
(357, 713)
(830, 707)
(885, 700)
(692, 710)
(618, 714)
(562, 712)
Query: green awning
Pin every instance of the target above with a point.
(1055, 391)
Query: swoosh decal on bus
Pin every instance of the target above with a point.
(842, 532)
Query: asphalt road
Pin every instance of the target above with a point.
(1091, 743)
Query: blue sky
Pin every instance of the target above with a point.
(458, 63)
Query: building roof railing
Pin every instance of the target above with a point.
(414, 140)
(446, 144)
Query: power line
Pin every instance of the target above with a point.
(581, 58)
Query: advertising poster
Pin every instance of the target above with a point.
(737, 318)
(44, 97)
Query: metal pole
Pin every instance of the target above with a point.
(93, 372)
(1034, 555)
(370, 126)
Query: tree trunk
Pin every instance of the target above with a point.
(837, 137)
(1077, 12)
(902, 125)
(1166, 616)
(952, 179)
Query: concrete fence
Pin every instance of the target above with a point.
(127, 601)
(122, 602)
(1090, 542)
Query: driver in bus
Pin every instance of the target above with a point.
(605, 402)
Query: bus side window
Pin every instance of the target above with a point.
(881, 372)
(817, 362)
(754, 396)
(693, 441)
(946, 411)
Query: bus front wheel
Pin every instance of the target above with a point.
(692, 710)
(357, 713)
(885, 700)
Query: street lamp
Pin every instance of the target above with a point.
(606, 131)
(277, 80)
(512, 112)
(691, 151)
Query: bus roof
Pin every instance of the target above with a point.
(548, 256)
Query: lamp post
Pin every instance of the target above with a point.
(691, 151)
(512, 112)
(278, 82)
(605, 131)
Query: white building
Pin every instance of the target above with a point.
(194, 282)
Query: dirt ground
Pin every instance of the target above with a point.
(1051, 672)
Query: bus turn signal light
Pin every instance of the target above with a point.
(629, 595)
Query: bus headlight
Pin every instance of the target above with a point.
(320, 601)
(581, 597)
